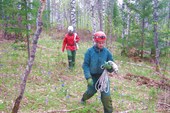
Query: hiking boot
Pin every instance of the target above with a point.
(83, 102)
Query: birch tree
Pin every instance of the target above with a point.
(100, 8)
(93, 17)
(38, 31)
(73, 14)
(103, 15)
(59, 15)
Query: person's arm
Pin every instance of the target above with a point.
(86, 65)
(112, 64)
(107, 65)
(64, 43)
(110, 57)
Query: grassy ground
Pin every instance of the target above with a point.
(52, 88)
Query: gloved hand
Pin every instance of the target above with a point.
(115, 67)
(90, 81)
(107, 66)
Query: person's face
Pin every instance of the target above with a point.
(100, 44)
(70, 32)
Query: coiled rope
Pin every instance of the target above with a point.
(102, 83)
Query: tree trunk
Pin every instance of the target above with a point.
(100, 9)
(168, 26)
(53, 7)
(155, 17)
(59, 17)
(142, 36)
(103, 15)
(27, 28)
(123, 30)
(73, 13)
(128, 22)
(99, 13)
(93, 16)
(48, 13)
(110, 17)
(32, 56)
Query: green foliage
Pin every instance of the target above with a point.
(141, 12)
(113, 13)
(50, 86)
(2, 105)
(16, 16)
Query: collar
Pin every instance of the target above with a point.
(97, 49)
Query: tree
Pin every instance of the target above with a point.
(73, 14)
(100, 9)
(155, 17)
(32, 56)
(123, 29)
(144, 10)
(93, 17)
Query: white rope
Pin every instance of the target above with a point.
(102, 83)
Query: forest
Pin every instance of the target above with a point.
(34, 74)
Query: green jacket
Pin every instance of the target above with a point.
(93, 60)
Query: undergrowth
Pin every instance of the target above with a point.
(51, 87)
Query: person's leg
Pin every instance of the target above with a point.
(69, 54)
(90, 91)
(107, 101)
(73, 57)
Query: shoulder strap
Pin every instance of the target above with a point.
(75, 34)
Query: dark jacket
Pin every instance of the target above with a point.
(93, 60)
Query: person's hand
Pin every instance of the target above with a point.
(110, 66)
(90, 81)
(107, 66)
(115, 67)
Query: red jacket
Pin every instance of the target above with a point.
(69, 43)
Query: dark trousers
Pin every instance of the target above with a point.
(71, 58)
(105, 97)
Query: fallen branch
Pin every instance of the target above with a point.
(56, 111)
(127, 111)
(164, 104)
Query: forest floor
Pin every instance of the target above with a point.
(54, 89)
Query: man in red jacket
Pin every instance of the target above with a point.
(69, 42)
